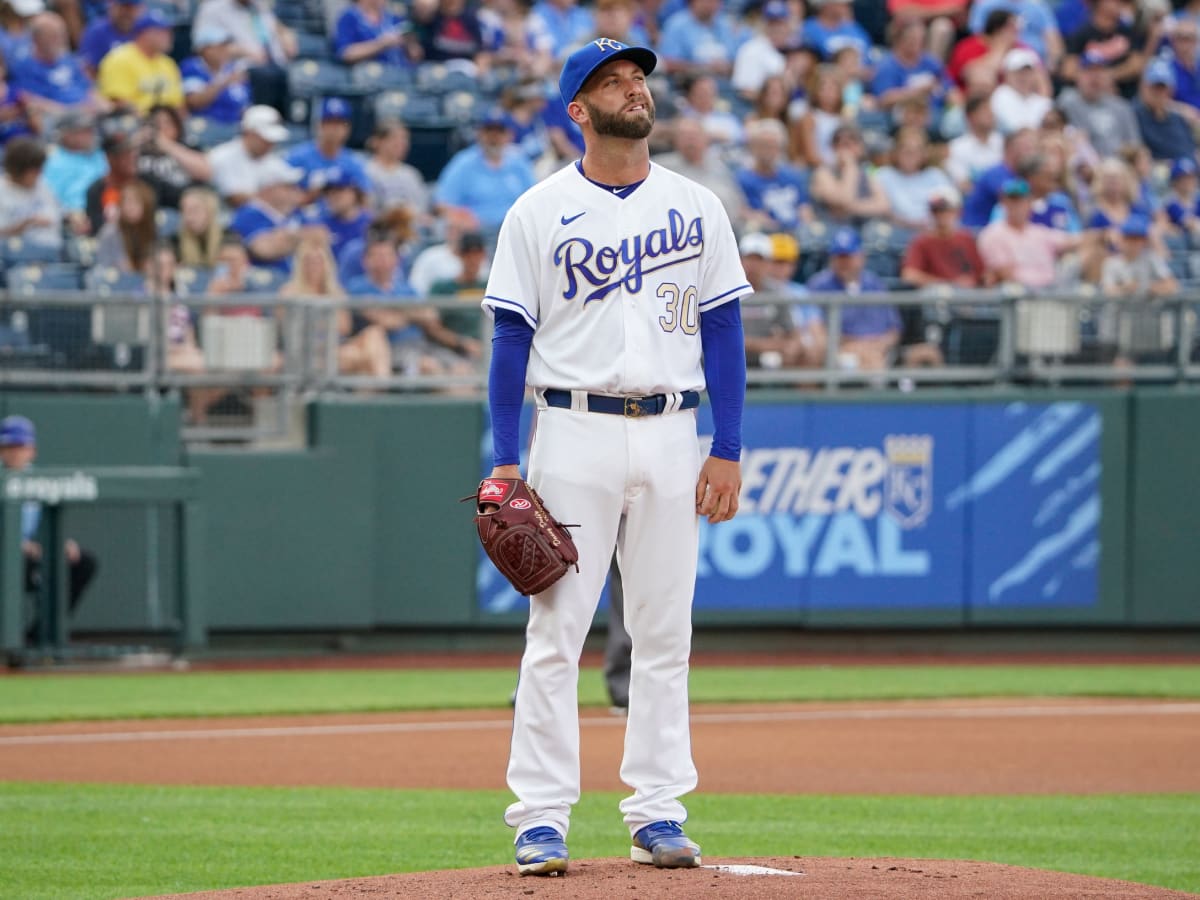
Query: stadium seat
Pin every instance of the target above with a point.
(167, 222)
(413, 108)
(375, 76)
(80, 249)
(442, 78)
(105, 281)
(16, 250)
(27, 279)
(309, 78)
(205, 134)
(313, 46)
(265, 281)
(192, 281)
(461, 107)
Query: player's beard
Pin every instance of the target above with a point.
(620, 125)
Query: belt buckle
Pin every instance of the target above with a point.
(633, 407)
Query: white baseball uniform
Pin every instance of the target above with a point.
(614, 289)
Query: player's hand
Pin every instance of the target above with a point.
(502, 472)
(717, 489)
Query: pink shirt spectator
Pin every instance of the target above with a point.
(1028, 253)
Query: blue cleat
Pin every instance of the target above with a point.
(541, 851)
(664, 844)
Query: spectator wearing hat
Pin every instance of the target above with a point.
(395, 182)
(482, 181)
(140, 74)
(694, 157)
(700, 38)
(28, 208)
(266, 223)
(369, 30)
(979, 148)
(326, 154)
(910, 181)
(831, 25)
(846, 192)
(1110, 42)
(1183, 35)
(237, 163)
(773, 337)
(870, 335)
(1017, 251)
(1182, 203)
(1023, 100)
(259, 38)
(18, 451)
(1107, 119)
(468, 286)
(945, 252)
(107, 32)
(215, 85)
(103, 199)
(1038, 27)
(47, 77)
(907, 72)
(776, 193)
(341, 208)
(1137, 268)
(1164, 131)
(73, 162)
(16, 16)
(1020, 151)
(762, 56)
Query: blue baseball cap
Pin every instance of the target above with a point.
(340, 177)
(776, 9)
(1136, 225)
(1185, 165)
(844, 242)
(152, 18)
(587, 59)
(1014, 187)
(335, 108)
(1160, 72)
(17, 431)
(497, 118)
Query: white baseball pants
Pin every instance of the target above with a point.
(629, 483)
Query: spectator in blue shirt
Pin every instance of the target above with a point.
(73, 164)
(215, 85)
(907, 72)
(48, 78)
(482, 181)
(1183, 201)
(567, 24)
(266, 223)
(341, 209)
(12, 114)
(1020, 148)
(14, 26)
(776, 193)
(1184, 53)
(1165, 132)
(1039, 29)
(369, 30)
(327, 151)
(700, 38)
(870, 335)
(832, 27)
(111, 30)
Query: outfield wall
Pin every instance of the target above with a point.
(937, 509)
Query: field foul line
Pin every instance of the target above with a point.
(816, 715)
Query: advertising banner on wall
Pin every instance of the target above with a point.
(899, 507)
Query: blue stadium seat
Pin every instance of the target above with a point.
(30, 278)
(375, 76)
(205, 133)
(167, 222)
(311, 45)
(411, 107)
(80, 249)
(309, 78)
(265, 281)
(192, 281)
(442, 78)
(17, 250)
(104, 281)
(462, 107)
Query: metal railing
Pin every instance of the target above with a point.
(274, 351)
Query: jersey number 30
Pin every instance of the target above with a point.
(681, 308)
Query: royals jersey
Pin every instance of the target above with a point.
(613, 287)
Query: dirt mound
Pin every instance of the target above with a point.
(744, 879)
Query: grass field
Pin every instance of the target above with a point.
(109, 841)
(45, 698)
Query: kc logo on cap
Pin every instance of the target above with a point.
(587, 59)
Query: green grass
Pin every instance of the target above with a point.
(43, 698)
(107, 841)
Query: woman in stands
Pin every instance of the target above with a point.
(847, 192)
(127, 240)
(822, 119)
(199, 237)
(364, 351)
(1116, 195)
(910, 180)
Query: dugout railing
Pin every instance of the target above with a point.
(244, 364)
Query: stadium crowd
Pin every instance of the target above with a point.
(858, 147)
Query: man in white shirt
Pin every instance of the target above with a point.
(762, 56)
(1023, 99)
(979, 148)
(238, 164)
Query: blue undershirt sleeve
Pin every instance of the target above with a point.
(724, 349)
(511, 340)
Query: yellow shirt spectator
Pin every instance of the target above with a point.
(140, 74)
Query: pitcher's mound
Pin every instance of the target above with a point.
(744, 879)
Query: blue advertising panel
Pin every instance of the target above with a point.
(1033, 498)
(896, 507)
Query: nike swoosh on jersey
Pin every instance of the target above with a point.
(568, 220)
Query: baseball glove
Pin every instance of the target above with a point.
(529, 546)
